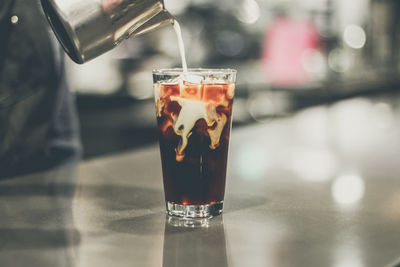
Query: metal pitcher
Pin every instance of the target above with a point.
(89, 28)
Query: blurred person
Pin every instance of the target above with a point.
(288, 44)
(38, 119)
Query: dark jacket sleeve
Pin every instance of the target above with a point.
(5, 7)
(36, 108)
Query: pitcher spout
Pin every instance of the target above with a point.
(159, 20)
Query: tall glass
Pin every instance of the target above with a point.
(194, 117)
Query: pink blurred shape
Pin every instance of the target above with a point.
(286, 43)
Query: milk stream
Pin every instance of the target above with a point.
(191, 110)
(178, 32)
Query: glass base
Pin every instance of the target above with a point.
(194, 211)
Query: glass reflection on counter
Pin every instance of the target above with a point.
(346, 255)
(28, 237)
(205, 245)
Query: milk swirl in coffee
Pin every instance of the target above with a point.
(194, 111)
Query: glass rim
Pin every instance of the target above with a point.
(201, 71)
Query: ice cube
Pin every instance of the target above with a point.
(168, 90)
(214, 80)
(191, 86)
(172, 81)
(192, 91)
(214, 93)
(191, 78)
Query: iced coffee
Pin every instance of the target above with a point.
(194, 116)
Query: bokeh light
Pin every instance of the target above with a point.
(251, 162)
(249, 12)
(229, 43)
(176, 7)
(86, 79)
(346, 255)
(354, 36)
(348, 189)
(382, 115)
(339, 60)
(139, 85)
(313, 165)
(350, 121)
(314, 62)
(260, 106)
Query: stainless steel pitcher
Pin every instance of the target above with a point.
(89, 28)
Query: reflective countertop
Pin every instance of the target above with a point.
(319, 188)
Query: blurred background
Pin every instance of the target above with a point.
(290, 55)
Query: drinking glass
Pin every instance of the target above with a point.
(194, 117)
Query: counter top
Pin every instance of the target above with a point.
(319, 188)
